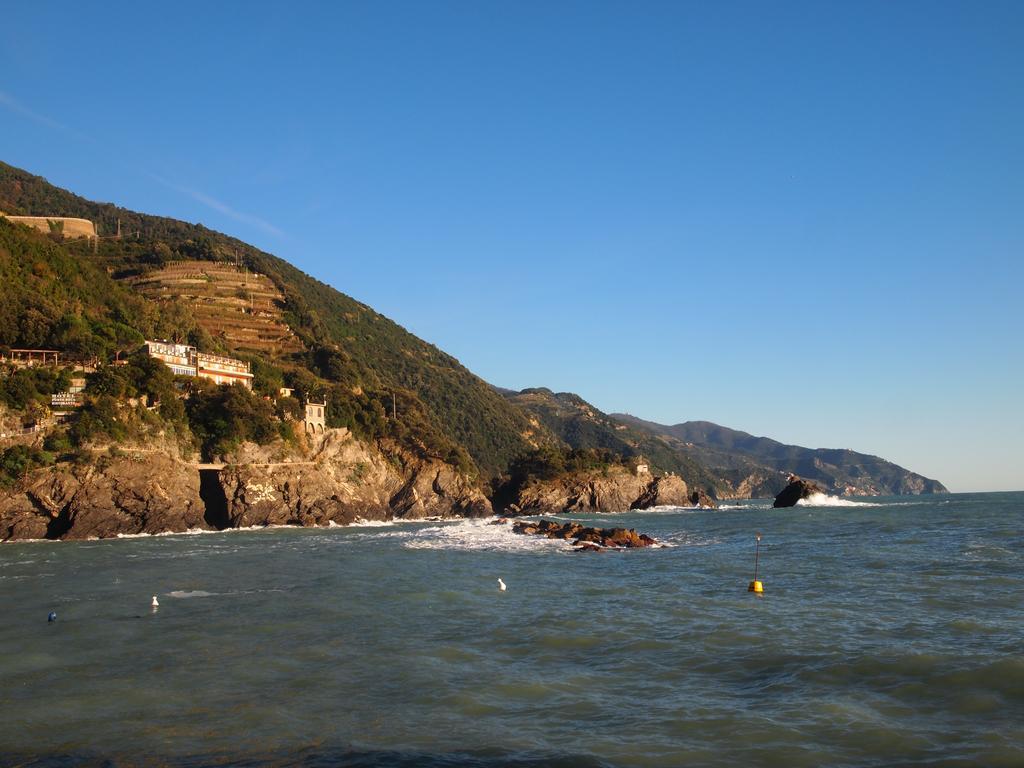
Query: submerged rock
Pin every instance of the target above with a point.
(797, 489)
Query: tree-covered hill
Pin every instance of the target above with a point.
(582, 427)
(370, 364)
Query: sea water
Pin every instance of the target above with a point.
(889, 633)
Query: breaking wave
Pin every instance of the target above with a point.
(478, 536)
(189, 532)
(824, 500)
(360, 523)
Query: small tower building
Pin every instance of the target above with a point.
(316, 417)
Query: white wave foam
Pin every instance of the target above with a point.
(184, 594)
(207, 531)
(360, 523)
(478, 535)
(824, 500)
(28, 541)
(243, 529)
(669, 509)
(684, 539)
(484, 536)
(189, 532)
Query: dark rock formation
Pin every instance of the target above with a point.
(588, 539)
(131, 493)
(796, 490)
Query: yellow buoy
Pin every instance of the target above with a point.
(756, 586)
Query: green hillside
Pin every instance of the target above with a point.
(367, 363)
(581, 426)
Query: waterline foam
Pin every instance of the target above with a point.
(824, 500)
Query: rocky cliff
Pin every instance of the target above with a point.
(131, 492)
(344, 480)
(339, 480)
(613, 490)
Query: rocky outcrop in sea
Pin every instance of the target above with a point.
(797, 489)
(587, 539)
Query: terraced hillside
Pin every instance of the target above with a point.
(243, 308)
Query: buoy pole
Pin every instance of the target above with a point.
(756, 586)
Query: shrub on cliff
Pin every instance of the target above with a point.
(51, 297)
(29, 385)
(19, 460)
(549, 462)
(99, 419)
(267, 379)
(223, 416)
(142, 376)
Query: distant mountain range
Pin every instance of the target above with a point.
(727, 462)
(758, 466)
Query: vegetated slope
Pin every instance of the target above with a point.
(347, 343)
(582, 426)
(733, 452)
(51, 298)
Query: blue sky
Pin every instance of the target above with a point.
(804, 220)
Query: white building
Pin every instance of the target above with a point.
(223, 370)
(185, 360)
(180, 358)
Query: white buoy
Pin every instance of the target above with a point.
(155, 603)
(501, 585)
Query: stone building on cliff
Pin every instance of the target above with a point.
(65, 226)
(315, 420)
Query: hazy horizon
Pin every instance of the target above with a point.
(799, 221)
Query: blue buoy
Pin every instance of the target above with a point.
(52, 617)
